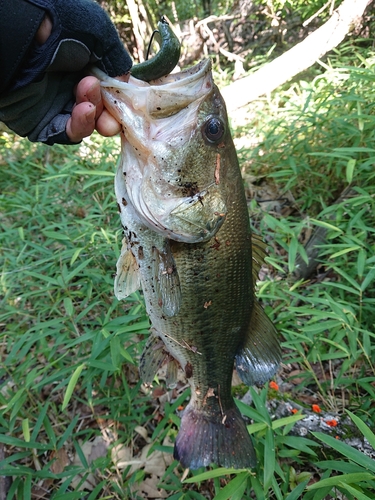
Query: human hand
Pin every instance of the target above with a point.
(51, 101)
(89, 113)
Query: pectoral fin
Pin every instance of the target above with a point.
(167, 281)
(127, 278)
(260, 355)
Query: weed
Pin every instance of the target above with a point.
(75, 421)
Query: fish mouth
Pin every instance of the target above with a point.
(159, 98)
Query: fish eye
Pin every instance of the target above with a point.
(213, 130)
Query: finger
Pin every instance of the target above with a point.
(124, 78)
(107, 125)
(88, 90)
(45, 30)
(82, 122)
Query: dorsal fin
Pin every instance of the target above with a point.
(258, 248)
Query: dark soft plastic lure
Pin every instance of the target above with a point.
(165, 60)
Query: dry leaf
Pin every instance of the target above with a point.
(122, 457)
(154, 466)
(142, 431)
(149, 488)
(60, 462)
(92, 450)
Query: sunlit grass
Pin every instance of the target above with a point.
(69, 349)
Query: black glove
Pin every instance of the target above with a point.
(39, 98)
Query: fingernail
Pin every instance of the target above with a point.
(94, 94)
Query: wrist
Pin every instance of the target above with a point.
(44, 31)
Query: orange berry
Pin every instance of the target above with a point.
(274, 386)
(316, 408)
(331, 423)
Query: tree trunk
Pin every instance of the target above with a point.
(297, 59)
(141, 31)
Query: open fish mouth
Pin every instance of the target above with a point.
(159, 98)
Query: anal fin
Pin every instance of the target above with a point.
(167, 281)
(172, 371)
(260, 355)
(127, 278)
(152, 358)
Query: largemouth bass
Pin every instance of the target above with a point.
(188, 245)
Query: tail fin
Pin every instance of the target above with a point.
(205, 439)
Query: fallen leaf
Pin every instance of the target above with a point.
(149, 488)
(61, 460)
(158, 392)
(122, 457)
(142, 431)
(92, 450)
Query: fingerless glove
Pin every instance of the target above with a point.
(37, 81)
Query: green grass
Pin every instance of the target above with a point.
(69, 349)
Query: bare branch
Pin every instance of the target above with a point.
(298, 58)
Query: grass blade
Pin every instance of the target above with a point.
(347, 451)
(233, 487)
(211, 474)
(356, 477)
(71, 385)
(358, 494)
(366, 431)
(269, 459)
(296, 494)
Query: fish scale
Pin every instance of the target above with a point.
(188, 245)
